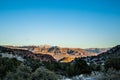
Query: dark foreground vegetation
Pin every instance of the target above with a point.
(35, 69)
(12, 69)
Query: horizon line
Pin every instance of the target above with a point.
(55, 45)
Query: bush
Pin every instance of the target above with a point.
(113, 63)
(34, 64)
(78, 67)
(22, 73)
(43, 74)
(111, 74)
(8, 65)
(95, 67)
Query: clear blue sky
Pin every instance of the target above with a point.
(66, 23)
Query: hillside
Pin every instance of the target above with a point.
(25, 54)
(102, 57)
(97, 50)
(113, 52)
(59, 52)
(56, 52)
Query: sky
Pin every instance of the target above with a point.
(65, 23)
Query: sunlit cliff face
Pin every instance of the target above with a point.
(66, 54)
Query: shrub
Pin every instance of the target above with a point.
(111, 74)
(22, 73)
(43, 74)
(77, 68)
(8, 65)
(113, 63)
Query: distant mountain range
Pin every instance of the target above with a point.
(97, 50)
(59, 53)
(55, 53)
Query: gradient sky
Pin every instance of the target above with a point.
(66, 23)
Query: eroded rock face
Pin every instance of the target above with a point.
(56, 52)
(56, 49)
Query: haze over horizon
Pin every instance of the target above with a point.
(65, 23)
